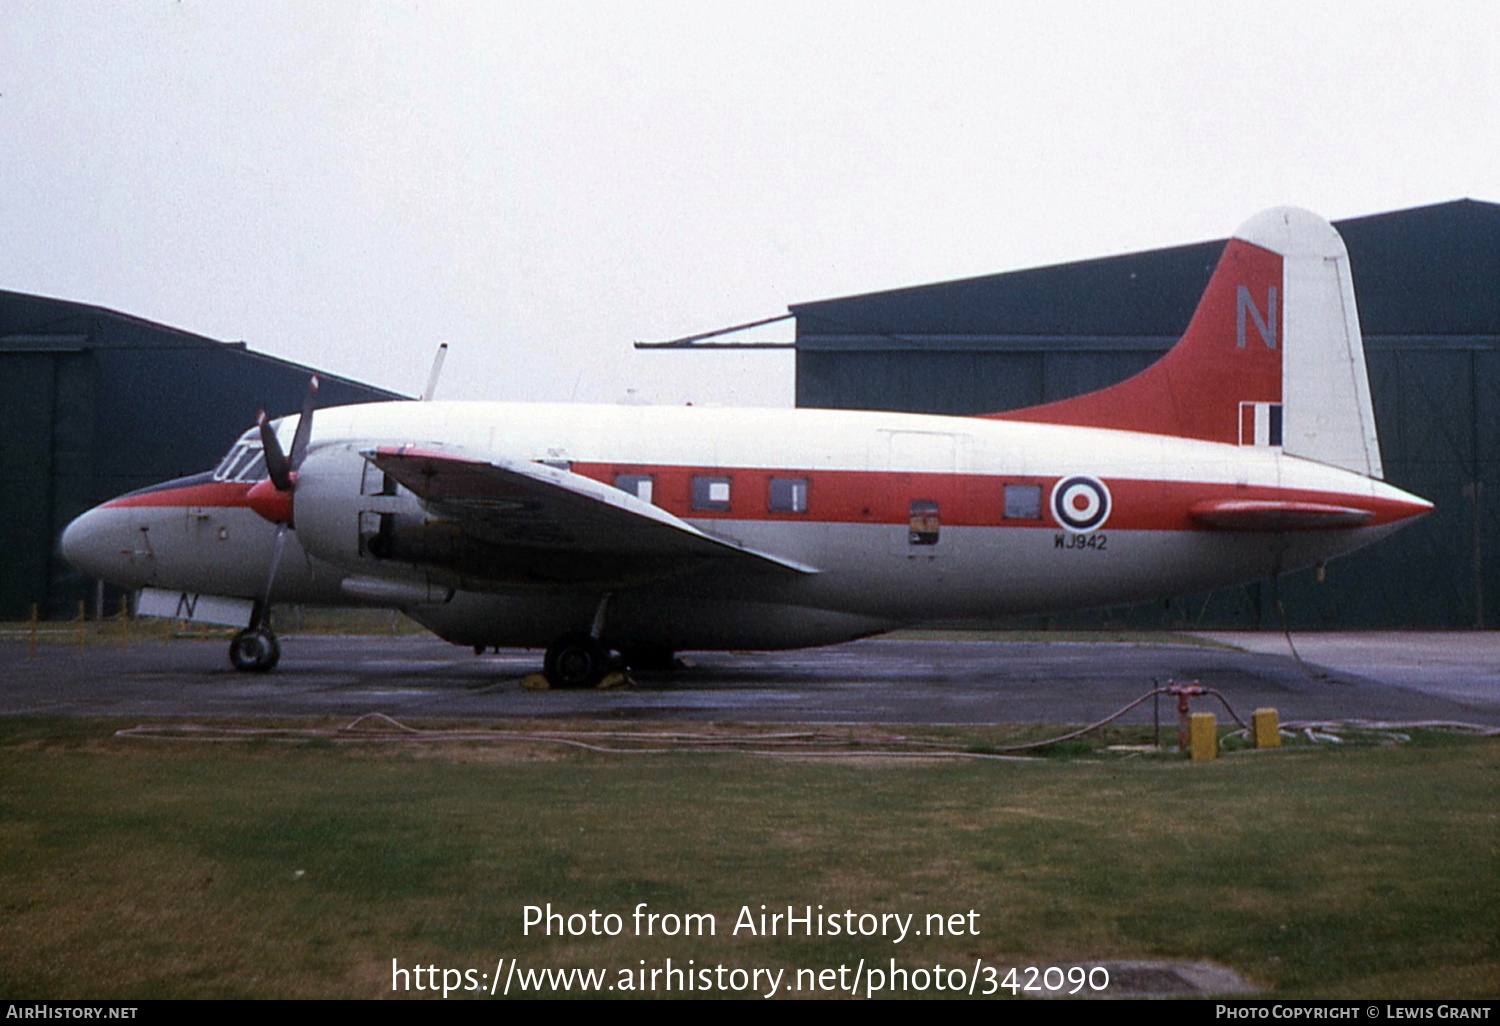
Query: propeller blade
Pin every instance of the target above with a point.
(277, 466)
(280, 467)
(304, 424)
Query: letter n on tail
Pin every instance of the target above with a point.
(1266, 325)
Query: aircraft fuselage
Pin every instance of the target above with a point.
(903, 519)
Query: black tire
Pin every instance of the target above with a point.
(576, 661)
(254, 651)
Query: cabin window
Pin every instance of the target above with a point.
(924, 522)
(639, 485)
(788, 495)
(1023, 502)
(710, 492)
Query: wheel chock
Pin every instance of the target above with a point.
(1267, 728)
(614, 680)
(1203, 736)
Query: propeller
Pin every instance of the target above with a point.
(283, 468)
(272, 498)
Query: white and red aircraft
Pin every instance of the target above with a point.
(1249, 449)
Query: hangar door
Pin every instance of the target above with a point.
(46, 442)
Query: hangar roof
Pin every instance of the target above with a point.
(1428, 271)
(42, 324)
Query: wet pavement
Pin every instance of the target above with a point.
(1388, 677)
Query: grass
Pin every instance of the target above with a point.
(135, 868)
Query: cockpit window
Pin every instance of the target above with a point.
(245, 462)
(256, 469)
(237, 471)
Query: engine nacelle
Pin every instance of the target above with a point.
(351, 514)
(343, 506)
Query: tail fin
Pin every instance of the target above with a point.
(1272, 356)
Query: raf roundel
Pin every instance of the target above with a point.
(1080, 503)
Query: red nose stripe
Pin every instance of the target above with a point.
(212, 493)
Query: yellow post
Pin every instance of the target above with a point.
(1203, 736)
(80, 621)
(1267, 728)
(31, 644)
(124, 619)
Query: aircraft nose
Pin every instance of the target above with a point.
(103, 543)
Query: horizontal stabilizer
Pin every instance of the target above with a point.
(1271, 515)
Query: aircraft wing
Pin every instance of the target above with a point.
(527, 506)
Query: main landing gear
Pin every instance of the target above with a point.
(579, 659)
(254, 650)
(582, 661)
(576, 661)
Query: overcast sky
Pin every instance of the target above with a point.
(540, 184)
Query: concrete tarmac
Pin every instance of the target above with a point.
(1389, 677)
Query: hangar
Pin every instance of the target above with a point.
(1427, 282)
(95, 403)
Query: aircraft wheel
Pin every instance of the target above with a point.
(576, 661)
(254, 651)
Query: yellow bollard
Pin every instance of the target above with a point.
(1203, 736)
(81, 623)
(1267, 728)
(124, 620)
(31, 644)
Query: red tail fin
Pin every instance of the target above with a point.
(1221, 382)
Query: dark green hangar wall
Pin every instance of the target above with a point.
(1427, 282)
(95, 403)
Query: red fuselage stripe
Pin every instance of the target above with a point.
(964, 500)
(884, 497)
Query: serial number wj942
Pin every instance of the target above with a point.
(1093, 540)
